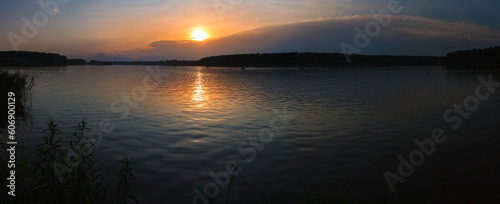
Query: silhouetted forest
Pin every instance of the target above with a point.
(315, 60)
(23, 58)
(76, 62)
(489, 57)
(95, 62)
(165, 62)
(180, 63)
(135, 63)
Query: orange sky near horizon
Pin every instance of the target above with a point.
(156, 29)
(141, 27)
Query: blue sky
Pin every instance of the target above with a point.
(159, 30)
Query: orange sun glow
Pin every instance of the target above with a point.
(199, 35)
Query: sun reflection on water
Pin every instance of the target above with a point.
(199, 91)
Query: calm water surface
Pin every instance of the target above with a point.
(349, 125)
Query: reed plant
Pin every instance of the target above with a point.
(66, 171)
(21, 85)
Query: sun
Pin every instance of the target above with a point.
(199, 35)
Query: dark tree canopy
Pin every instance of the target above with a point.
(316, 60)
(488, 57)
(23, 58)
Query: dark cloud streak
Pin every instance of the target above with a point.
(405, 35)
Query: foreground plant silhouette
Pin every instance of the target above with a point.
(22, 86)
(60, 171)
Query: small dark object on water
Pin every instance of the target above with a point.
(242, 68)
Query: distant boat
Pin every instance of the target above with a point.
(242, 68)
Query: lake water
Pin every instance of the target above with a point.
(347, 124)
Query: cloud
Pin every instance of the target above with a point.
(404, 35)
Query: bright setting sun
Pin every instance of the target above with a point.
(199, 35)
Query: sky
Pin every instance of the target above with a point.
(121, 30)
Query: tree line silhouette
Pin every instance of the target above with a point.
(489, 57)
(296, 59)
(24, 58)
